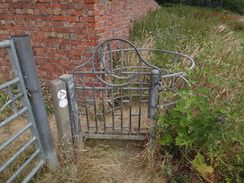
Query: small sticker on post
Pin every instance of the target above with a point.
(63, 103)
(62, 94)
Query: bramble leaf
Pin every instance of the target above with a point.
(204, 89)
(200, 165)
(180, 129)
(166, 140)
(206, 70)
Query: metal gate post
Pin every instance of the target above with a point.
(153, 95)
(28, 69)
(73, 110)
(153, 102)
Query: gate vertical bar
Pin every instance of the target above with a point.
(28, 69)
(73, 110)
(94, 104)
(104, 112)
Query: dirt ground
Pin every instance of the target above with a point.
(101, 161)
(123, 162)
(112, 161)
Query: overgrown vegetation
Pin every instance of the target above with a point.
(203, 133)
(231, 5)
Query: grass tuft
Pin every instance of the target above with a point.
(189, 132)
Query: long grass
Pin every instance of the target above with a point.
(215, 41)
(212, 42)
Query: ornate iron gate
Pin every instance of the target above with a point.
(117, 89)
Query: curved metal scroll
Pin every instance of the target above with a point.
(102, 63)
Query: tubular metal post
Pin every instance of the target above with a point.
(153, 95)
(152, 104)
(73, 110)
(28, 69)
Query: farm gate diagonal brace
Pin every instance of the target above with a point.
(115, 94)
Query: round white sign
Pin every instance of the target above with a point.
(62, 94)
(63, 103)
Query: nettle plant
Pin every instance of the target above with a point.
(205, 129)
(196, 120)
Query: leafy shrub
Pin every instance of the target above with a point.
(234, 5)
(205, 128)
(231, 5)
(198, 126)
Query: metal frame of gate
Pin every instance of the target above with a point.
(26, 110)
(112, 95)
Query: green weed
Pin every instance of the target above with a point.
(205, 128)
(47, 99)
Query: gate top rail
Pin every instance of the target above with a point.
(106, 68)
(5, 44)
(110, 66)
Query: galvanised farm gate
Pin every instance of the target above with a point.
(32, 138)
(114, 95)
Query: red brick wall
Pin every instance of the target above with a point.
(63, 32)
(115, 16)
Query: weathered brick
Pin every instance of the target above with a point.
(66, 36)
(58, 18)
(87, 19)
(73, 36)
(16, 5)
(63, 32)
(78, 13)
(56, 12)
(30, 11)
(49, 29)
(89, 43)
(42, 5)
(92, 1)
(5, 5)
(19, 16)
(58, 6)
(72, 19)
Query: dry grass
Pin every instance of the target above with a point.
(105, 162)
(7, 132)
(100, 161)
(217, 48)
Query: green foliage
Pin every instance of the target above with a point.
(8, 111)
(231, 5)
(47, 100)
(4, 96)
(4, 99)
(201, 166)
(208, 120)
(234, 5)
(200, 124)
